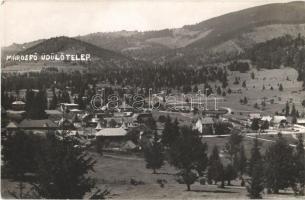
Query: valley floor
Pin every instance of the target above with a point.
(114, 172)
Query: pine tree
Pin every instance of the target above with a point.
(252, 75)
(245, 100)
(215, 168)
(81, 102)
(244, 84)
(37, 105)
(5, 99)
(225, 79)
(299, 157)
(236, 81)
(65, 97)
(255, 124)
(265, 125)
(255, 155)
(232, 147)
(186, 154)
(218, 90)
(303, 103)
(154, 155)
(54, 101)
(281, 88)
(255, 184)
(19, 154)
(241, 161)
(293, 115)
(230, 173)
(170, 132)
(63, 168)
(195, 89)
(229, 91)
(29, 100)
(279, 161)
(293, 110)
(287, 109)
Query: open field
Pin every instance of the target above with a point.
(292, 92)
(114, 171)
(275, 100)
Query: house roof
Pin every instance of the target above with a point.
(75, 110)
(129, 145)
(53, 112)
(98, 126)
(69, 104)
(18, 103)
(15, 112)
(42, 123)
(112, 132)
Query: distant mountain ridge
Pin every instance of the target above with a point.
(229, 33)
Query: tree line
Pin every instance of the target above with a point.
(280, 167)
(55, 166)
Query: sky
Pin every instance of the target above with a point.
(28, 20)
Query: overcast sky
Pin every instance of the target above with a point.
(32, 19)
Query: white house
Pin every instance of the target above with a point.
(301, 121)
(266, 118)
(279, 121)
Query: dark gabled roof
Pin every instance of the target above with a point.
(41, 123)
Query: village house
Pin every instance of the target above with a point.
(68, 106)
(111, 138)
(301, 121)
(204, 123)
(266, 118)
(279, 121)
(18, 105)
(41, 126)
(11, 126)
(17, 113)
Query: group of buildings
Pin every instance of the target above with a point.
(111, 126)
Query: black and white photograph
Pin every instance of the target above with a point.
(152, 99)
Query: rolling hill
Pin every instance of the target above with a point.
(71, 45)
(227, 33)
(100, 58)
(230, 33)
